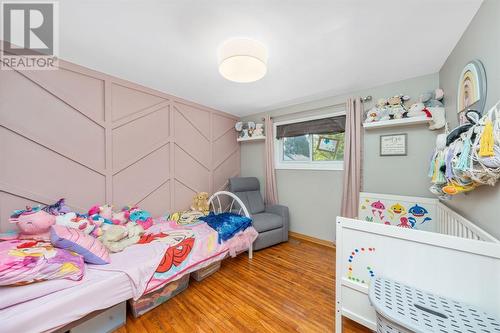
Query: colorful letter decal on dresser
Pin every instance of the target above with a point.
(353, 264)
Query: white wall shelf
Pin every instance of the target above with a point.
(397, 122)
(255, 138)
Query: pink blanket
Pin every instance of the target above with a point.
(28, 261)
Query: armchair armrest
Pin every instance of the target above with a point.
(283, 212)
(277, 209)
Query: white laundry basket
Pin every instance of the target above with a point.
(403, 309)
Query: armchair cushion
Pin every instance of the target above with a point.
(243, 184)
(248, 190)
(266, 221)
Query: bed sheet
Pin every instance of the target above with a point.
(98, 290)
(186, 248)
(10, 296)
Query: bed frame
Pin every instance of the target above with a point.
(224, 201)
(453, 257)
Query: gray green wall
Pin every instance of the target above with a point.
(480, 41)
(314, 196)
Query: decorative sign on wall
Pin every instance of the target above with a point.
(471, 89)
(327, 144)
(393, 145)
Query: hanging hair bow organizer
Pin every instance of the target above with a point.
(468, 156)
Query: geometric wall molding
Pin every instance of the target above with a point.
(129, 100)
(93, 138)
(199, 119)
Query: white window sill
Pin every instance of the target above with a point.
(335, 166)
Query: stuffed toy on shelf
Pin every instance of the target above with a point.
(396, 106)
(378, 112)
(433, 101)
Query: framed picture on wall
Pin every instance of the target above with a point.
(393, 145)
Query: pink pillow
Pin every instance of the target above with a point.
(91, 249)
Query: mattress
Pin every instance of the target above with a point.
(128, 276)
(98, 290)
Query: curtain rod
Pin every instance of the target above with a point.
(363, 100)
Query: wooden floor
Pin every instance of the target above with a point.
(286, 288)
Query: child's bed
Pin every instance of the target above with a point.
(131, 274)
(446, 254)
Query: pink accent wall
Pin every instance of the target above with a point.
(93, 138)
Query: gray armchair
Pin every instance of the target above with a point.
(270, 221)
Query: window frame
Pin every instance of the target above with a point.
(302, 165)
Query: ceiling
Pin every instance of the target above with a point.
(316, 48)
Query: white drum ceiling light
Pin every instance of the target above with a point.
(243, 60)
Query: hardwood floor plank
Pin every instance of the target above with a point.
(286, 288)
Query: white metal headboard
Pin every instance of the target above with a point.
(215, 199)
(216, 205)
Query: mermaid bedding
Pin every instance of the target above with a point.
(190, 247)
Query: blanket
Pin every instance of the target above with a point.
(191, 247)
(27, 261)
(227, 224)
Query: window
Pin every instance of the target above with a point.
(315, 143)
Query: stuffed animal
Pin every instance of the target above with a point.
(72, 220)
(438, 117)
(106, 211)
(433, 98)
(417, 110)
(378, 112)
(259, 130)
(141, 217)
(200, 203)
(251, 128)
(59, 208)
(396, 106)
(119, 217)
(117, 237)
(33, 223)
(372, 115)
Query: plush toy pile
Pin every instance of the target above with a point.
(53, 241)
(116, 230)
(468, 156)
(428, 105)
